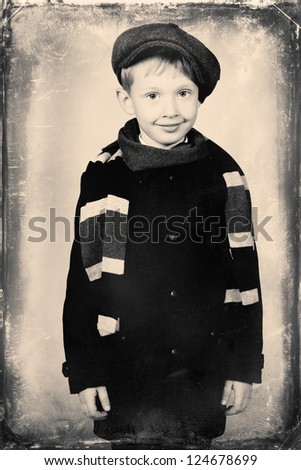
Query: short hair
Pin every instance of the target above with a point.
(163, 56)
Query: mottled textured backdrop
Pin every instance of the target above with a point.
(60, 110)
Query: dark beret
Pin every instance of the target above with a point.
(133, 43)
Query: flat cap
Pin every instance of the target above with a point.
(134, 42)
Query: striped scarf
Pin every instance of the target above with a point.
(100, 220)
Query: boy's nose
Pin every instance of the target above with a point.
(170, 108)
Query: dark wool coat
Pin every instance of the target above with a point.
(171, 291)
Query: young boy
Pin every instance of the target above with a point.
(163, 317)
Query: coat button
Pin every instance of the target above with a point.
(174, 352)
(174, 293)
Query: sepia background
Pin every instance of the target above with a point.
(60, 110)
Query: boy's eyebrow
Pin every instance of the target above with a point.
(158, 88)
(150, 87)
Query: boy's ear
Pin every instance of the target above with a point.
(125, 101)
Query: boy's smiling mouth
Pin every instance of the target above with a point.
(170, 126)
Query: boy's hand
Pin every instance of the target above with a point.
(87, 400)
(236, 396)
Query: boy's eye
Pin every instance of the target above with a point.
(152, 96)
(184, 93)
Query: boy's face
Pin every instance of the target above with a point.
(165, 102)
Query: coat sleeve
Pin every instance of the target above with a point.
(86, 351)
(243, 299)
